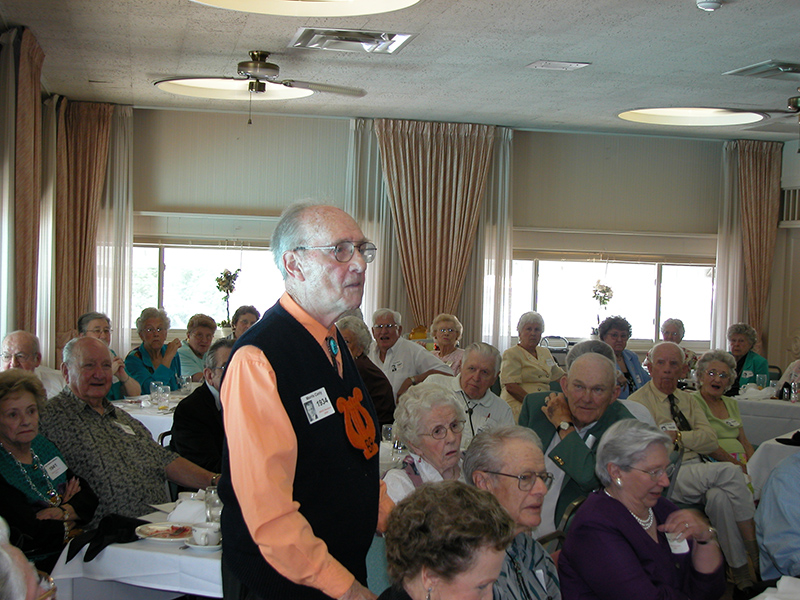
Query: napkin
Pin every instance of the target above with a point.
(113, 529)
(788, 588)
(188, 511)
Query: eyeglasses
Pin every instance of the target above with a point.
(154, 329)
(527, 480)
(386, 326)
(46, 585)
(440, 431)
(656, 474)
(446, 330)
(724, 375)
(20, 356)
(98, 330)
(343, 251)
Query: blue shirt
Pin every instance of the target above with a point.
(140, 367)
(778, 521)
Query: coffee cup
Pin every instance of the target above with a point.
(206, 534)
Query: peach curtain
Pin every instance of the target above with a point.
(436, 175)
(760, 193)
(27, 176)
(82, 156)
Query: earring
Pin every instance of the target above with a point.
(618, 481)
(428, 597)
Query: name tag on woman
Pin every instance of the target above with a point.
(732, 423)
(55, 467)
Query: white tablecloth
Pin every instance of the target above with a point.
(142, 570)
(155, 420)
(766, 458)
(767, 419)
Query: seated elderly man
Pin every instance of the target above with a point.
(570, 425)
(404, 362)
(485, 409)
(113, 451)
(778, 521)
(719, 486)
(21, 351)
(197, 428)
(199, 335)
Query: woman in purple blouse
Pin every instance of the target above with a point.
(627, 541)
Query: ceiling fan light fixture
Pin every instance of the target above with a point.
(230, 89)
(311, 8)
(692, 116)
(709, 5)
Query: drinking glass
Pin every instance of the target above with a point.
(213, 504)
(762, 380)
(185, 381)
(386, 433)
(162, 399)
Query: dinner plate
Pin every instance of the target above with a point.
(200, 548)
(165, 532)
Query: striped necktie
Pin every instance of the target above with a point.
(680, 419)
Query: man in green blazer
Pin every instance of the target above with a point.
(570, 426)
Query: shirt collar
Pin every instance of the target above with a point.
(314, 327)
(75, 404)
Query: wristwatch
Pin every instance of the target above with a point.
(564, 425)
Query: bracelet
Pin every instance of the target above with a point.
(66, 531)
(66, 513)
(713, 533)
(215, 478)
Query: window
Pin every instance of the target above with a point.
(187, 284)
(644, 293)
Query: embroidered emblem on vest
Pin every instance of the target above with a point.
(358, 423)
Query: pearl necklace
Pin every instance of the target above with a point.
(645, 523)
(53, 497)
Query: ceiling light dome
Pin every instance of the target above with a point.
(692, 116)
(311, 8)
(709, 5)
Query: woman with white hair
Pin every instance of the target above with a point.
(741, 339)
(429, 421)
(627, 540)
(154, 360)
(527, 367)
(673, 330)
(446, 331)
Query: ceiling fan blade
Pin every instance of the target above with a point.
(324, 87)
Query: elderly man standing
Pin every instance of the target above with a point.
(113, 451)
(485, 409)
(570, 425)
(300, 478)
(404, 362)
(197, 429)
(719, 486)
(21, 351)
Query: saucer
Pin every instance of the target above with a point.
(200, 548)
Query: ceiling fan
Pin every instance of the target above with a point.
(257, 80)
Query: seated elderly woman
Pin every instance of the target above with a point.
(616, 331)
(741, 339)
(626, 540)
(429, 421)
(154, 360)
(715, 372)
(199, 335)
(358, 338)
(446, 332)
(41, 498)
(98, 325)
(245, 317)
(527, 367)
(508, 462)
(446, 541)
(673, 330)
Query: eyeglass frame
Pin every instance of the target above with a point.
(456, 426)
(98, 331)
(724, 376)
(385, 326)
(368, 250)
(446, 330)
(155, 329)
(656, 474)
(546, 477)
(20, 356)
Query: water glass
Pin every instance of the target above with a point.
(386, 433)
(213, 504)
(185, 381)
(162, 398)
(762, 380)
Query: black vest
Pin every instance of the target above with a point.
(336, 486)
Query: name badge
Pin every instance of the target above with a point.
(678, 546)
(747, 374)
(669, 426)
(396, 366)
(317, 405)
(55, 467)
(126, 428)
(732, 423)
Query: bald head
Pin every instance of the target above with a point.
(20, 351)
(602, 365)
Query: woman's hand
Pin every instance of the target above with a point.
(118, 369)
(688, 524)
(50, 514)
(171, 351)
(73, 487)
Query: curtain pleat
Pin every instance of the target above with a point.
(82, 158)
(760, 192)
(27, 179)
(436, 176)
(8, 119)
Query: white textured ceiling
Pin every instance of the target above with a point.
(467, 64)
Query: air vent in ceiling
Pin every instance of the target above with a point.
(557, 65)
(350, 40)
(769, 69)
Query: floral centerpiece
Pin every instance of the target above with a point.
(226, 283)
(603, 294)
